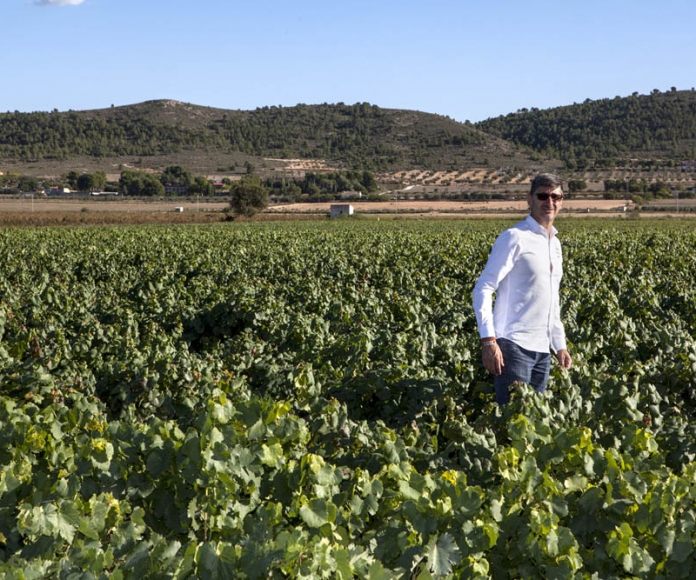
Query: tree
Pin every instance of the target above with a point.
(575, 185)
(100, 180)
(201, 186)
(660, 190)
(10, 178)
(91, 181)
(369, 181)
(71, 179)
(249, 196)
(140, 183)
(85, 182)
(28, 183)
(177, 176)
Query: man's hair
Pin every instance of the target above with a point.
(545, 180)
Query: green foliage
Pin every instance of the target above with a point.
(177, 176)
(249, 196)
(360, 136)
(576, 185)
(306, 401)
(140, 183)
(201, 186)
(324, 183)
(27, 183)
(124, 131)
(91, 181)
(659, 125)
(639, 131)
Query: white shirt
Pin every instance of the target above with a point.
(525, 269)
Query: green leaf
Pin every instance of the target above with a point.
(8, 482)
(344, 570)
(530, 473)
(377, 571)
(497, 509)
(158, 461)
(215, 561)
(442, 553)
(68, 520)
(682, 549)
(138, 558)
(318, 512)
(271, 455)
(575, 483)
(551, 539)
(623, 547)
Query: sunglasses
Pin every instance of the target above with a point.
(543, 196)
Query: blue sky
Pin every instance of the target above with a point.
(467, 59)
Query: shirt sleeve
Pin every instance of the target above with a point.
(500, 262)
(558, 336)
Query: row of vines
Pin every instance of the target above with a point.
(306, 401)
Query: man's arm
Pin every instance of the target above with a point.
(499, 263)
(558, 337)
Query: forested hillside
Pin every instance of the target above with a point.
(355, 136)
(360, 135)
(658, 128)
(607, 132)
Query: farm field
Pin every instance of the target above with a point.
(116, 211)
(305, 400)
(108, 205)
(48, 205)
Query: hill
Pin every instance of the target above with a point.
(612, 138)
(160, 133)
(607, 133)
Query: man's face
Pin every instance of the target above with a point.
(545, 211)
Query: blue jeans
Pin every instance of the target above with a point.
(521, 365)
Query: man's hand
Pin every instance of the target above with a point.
(564, 359)
(492, 358)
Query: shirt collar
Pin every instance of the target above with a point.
(535, 226)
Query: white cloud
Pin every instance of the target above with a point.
(58, 2)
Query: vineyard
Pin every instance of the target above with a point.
(306, 400)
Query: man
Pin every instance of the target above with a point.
(524, 270)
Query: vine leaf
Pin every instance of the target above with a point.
(443, 553)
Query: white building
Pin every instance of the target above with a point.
(56, 190)
(339, 209)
